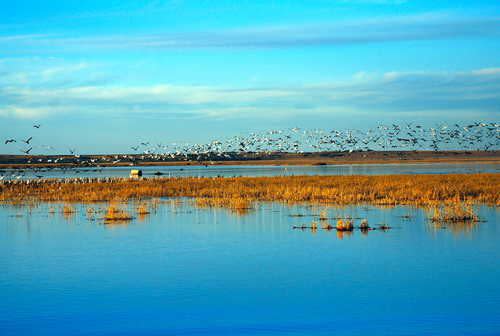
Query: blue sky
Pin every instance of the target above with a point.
(102, 75)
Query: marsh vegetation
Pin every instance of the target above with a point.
(242, 192)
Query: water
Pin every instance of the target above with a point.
(187, 271)
(263, 170)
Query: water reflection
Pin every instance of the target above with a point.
(256, 170)
(344, 234)
(116, 224)
(192, 263)
(457, 228)
(303, 217)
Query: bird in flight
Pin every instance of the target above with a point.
(9, 141)
(27, 151)
(27, 141)
(37, 126)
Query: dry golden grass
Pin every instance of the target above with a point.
(68, 209)
(314, 226)
(348, 226)
(241, 192)
(143, 209)
(116, 214)
(231, 203)
(364, 225)
(340, 225)
(344, 225)
(326, 226)
(456, 212)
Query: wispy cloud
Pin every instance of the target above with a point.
(431, 26)
(400, 93)
(374, 2)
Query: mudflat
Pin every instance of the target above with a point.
(274, 158)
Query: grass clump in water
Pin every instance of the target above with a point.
(115, 214)
(364, 225)
(345, 225)
(68, 209)
(239, 205)
(143, 209)
(453, 213)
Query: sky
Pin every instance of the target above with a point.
(101, 76)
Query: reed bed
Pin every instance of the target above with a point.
(364, 225)
(68, 209)
(115, 214)
(456, 212)
(344, 225)
(228, 202)
(241, 192)
(143, 209)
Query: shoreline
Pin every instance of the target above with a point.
(275, 159)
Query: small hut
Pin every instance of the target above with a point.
(135, 173)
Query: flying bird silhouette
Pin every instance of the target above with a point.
(27, 151)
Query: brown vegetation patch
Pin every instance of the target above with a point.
(456, 212)
(115, 214)
(241, 192)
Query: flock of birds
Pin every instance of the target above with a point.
(476, 136)
(393, 137)
(26, 141)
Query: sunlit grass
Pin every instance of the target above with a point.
(143, 209)
(455, 212)
(241, 192)
(68, 209)
(364, 225)
(115, 214)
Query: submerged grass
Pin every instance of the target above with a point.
(241, 192)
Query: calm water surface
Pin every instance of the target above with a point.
(188, 271)
(230, 171)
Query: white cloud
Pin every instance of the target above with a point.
(375, 2)
(55, 71)
(26, 112)
(364, 94)
(427, 26)
(488, 71)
